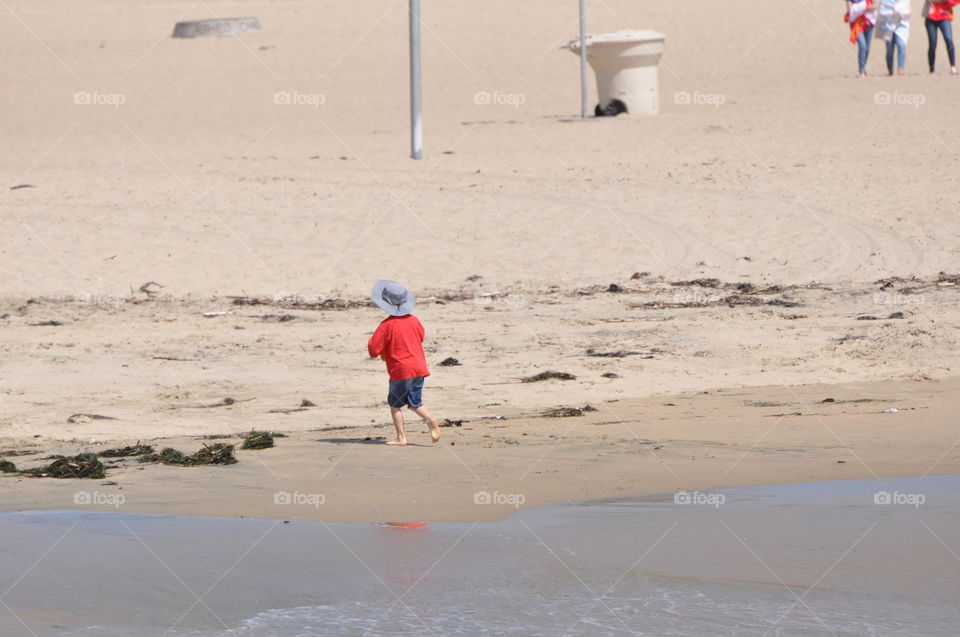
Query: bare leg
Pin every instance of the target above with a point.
(401, 439)
(430, 420)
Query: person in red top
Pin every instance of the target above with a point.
(938, 15)
(398, 340)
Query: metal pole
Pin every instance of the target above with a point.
(584, 92)
(416, 108)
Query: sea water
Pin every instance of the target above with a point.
(834, 558)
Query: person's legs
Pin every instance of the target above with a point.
(397, 415)
(430, 420)
(891, 44)
(863, 49)
(901, 53)
(397, 398)
(861, 55)
(415, 402)
(947, 27)
(931, 42)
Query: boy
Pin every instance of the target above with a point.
(399, 341)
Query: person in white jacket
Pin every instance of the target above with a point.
(862, 17)
(893, 27)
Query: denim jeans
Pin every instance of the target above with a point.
(945, 26)
(863, 48)
(896, 42)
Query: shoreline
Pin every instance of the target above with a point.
(658, 444)
(737, 563)
(651, 496)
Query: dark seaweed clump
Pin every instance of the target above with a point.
(257, 440)
(549, 375)
(84, 465)
(567, 412)
(218, 453)
(127, 452)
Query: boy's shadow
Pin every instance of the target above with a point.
(366, 441)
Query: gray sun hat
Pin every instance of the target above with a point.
(393, 298)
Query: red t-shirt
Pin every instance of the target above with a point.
(400, 340)
(941, 10)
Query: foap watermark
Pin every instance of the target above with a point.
(108, 300)
(515, 500)
(696, 98)
(914, 500)
(96, 98)
(299, 499)
(695, 298)
(698, 498)
(896, 98)
(95, 498)
(898, 298)
(296, 98)
(496, 98)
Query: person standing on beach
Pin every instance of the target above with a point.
(893, 27)
(862, 17)
(398, 340)
(939, 15)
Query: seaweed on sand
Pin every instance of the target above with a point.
(257, 440)
(215, 454)
(549, 375)
(7, 467)
(84, 465)
(167, 455)
(127, 452)
(19, 452)
(567, 412)
(620, 353)
(218, 453)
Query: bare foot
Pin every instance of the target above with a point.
(861, 76)
(396, 442)
(953, 71)
(434, 429)
(901, 72)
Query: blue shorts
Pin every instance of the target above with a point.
(406, 392)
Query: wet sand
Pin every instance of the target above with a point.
(628, 446)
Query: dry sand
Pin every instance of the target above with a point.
(518, 220)
(199, 181)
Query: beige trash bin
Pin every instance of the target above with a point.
(625, 64)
